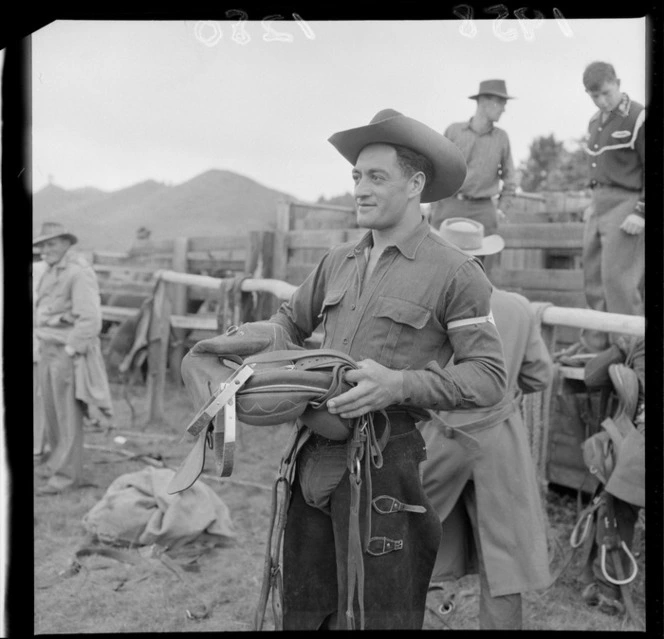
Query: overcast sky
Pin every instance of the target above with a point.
(116, 103)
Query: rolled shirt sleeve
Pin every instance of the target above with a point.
(477, 376)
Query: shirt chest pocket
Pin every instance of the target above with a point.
(402, 323)
(330, 312)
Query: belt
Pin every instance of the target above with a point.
(401, 422)
(461, 196)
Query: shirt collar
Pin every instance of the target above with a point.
(407, 246)
(468, 127)
(623, 106)
(64, 262)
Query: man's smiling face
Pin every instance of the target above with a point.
(381, 188)
(53, 250)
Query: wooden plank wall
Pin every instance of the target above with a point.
(560, 286)
(304, 233)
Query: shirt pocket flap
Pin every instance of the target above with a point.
(403, 311)
(331, 299)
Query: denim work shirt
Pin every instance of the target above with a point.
(424, 303)
(489, 159)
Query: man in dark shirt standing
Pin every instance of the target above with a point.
(401, 302)
(613, 253)
(486, 149)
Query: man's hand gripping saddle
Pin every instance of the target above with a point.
(277, 382)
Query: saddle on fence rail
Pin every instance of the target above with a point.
(616, 454)
(255, 373)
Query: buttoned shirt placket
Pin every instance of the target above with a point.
(364, 290)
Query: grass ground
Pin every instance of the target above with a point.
(218, 590)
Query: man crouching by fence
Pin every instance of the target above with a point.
(71, 372)
(361, 536)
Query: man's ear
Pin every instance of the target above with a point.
(417, 183)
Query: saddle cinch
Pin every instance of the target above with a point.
(277, 382)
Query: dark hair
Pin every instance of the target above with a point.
(596, 74)
(411, 162)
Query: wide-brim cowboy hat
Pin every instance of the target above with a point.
(50, 230)
(492, 87)
(391, 127)
(468, 235)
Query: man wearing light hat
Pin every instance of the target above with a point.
(72, 377)
(401, 302)
(486, 149)
(479, 472)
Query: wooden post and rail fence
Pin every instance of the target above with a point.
(541, 260)
(551, 316)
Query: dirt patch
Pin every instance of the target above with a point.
(217, 589)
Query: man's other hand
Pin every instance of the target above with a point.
(376, 387)
(633, 224)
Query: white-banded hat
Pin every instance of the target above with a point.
(468, 235)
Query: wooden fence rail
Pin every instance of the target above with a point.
(541, 260)
(157, 358)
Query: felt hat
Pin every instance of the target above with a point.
(49, 230)
(391, 127)
(492, 87)
(468, 235)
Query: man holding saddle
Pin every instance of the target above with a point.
(401, 303)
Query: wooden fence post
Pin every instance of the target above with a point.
(259, 265)
(280, 261)
(158, 336)
(179, 297)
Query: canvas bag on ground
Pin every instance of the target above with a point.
(137, 509)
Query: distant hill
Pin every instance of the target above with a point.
(214, 203)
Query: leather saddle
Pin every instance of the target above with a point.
(616, 454)
(268, 388)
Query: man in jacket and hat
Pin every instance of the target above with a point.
(72, 377)
(479, 474)
(486, 149)
(401, 302)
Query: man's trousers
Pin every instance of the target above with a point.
(613, 261)
(398, 567)
(63, 416)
